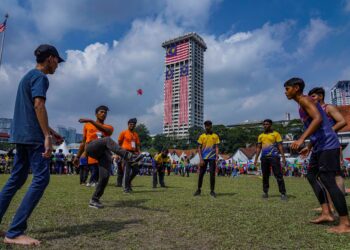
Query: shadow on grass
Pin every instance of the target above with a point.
(97, 227)
(225, 194)
(289, 196)
(145, 191)
(134, 204)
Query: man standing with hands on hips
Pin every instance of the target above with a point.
(208, 151)
(33, 137)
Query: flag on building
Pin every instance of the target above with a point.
(168, 96)
(183, 116)
(3, 26)
(177, 52)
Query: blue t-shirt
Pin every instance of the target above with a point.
(25, 127)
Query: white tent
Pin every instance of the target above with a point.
(183, 155)
(195, 160)
(239, 157)
(64, 147)
(174, 157)
(2, 152)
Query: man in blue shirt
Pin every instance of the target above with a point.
(33, 138)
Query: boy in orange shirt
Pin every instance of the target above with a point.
(98, 145)
(129, 140)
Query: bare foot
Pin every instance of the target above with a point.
(22, 240)
(322, 218)
(2, 234)
(340, 229)
(319, 209)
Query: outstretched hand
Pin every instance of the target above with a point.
(84, 120)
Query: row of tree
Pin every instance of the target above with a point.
(231, 138)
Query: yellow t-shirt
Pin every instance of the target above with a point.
(208, 143)
(161, 160)
(269, 143)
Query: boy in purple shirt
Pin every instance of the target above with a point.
(325, 145)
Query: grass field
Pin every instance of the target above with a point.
(173, 219)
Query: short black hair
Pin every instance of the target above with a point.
(317, 91)
(132, 120)
(295, 81)
(102, 107)
(208, 122)
(268, 120)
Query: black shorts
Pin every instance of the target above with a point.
(326, 160)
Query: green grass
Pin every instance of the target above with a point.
(173, 219)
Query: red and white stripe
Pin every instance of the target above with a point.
(183, 117)
(2, 27)
(168, 96)
(182, 53)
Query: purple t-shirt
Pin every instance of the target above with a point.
(324, 138)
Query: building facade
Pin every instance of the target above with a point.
(340, 93)
(5, 125)
(184, 84)
(70, 135)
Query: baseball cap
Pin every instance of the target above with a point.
(46, 50)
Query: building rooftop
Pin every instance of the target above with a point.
(341, 84)
(191, 35)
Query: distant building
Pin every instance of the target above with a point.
(78, 138)
(70, 135)
(5, 125)
(340, 93)
(183, 84)
(5, 128)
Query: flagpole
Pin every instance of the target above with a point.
(3, 40)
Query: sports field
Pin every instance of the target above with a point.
(172, 218)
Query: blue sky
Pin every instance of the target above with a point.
(114, 47)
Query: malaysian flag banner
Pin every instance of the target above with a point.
(183, 117)
(168, 96)
(3, 26)
(177, 52)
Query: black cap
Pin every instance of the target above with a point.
(208, 122)
(132, 120)
(46, 50)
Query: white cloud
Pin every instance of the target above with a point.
(244, 71)
(347, 5)
(189, 13)
(312, 35)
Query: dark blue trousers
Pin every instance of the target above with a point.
(27, 156)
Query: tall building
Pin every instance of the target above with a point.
(340, 93)
(5, 125)
(184, 84)
(70, 135)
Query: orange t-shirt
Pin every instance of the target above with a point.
(90, 133)
(129, 140)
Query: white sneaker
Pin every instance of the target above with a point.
(88, 184)
(93, 184)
